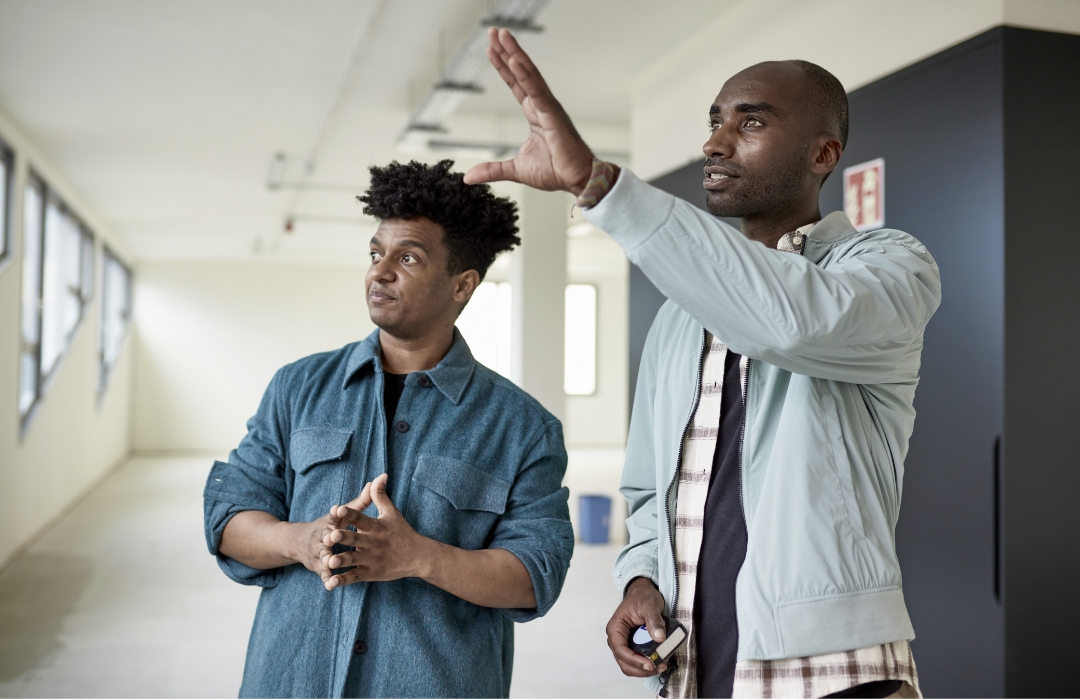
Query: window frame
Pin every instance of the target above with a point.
(32, 181)
(87, 242)
(7, 157)
(104, 369)
(595, 340)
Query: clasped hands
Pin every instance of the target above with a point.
(385, 548)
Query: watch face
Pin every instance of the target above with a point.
(641, 636)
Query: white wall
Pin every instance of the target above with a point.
(538, 278)
(600, 420)
(210, 335)
(857, 40)
(595, 426)
(75, 435)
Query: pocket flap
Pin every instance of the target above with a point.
(465, 487)
(311, 446)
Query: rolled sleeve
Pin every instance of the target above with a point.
(252, 479)
(230, 491)
(536, 524)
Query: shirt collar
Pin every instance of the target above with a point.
(814, 240)
(795, 241)
(450, 376)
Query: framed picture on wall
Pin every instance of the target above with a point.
(864, 194)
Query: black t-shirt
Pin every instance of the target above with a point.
(723, 547)
(393, 385)
(723, 550)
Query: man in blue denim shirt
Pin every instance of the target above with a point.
(461, 525)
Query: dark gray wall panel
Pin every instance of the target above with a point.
(938, 126)
(1042, 390)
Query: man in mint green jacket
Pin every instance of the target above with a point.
(773, 409)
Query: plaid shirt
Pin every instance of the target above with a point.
(817, 676)
(695, 469)
(806, 677)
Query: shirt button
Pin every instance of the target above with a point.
(424, 381)
(359, 648)
(402, 426)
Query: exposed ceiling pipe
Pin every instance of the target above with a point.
(485, 149)
(276, 179)
(459, 77)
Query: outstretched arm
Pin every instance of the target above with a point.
(387, 549)
(554, 157)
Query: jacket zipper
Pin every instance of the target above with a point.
(674, 479)
(742, 442)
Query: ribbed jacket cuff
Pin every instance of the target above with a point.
(640, 565)
(631, 212)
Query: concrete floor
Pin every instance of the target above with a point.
(121, 599)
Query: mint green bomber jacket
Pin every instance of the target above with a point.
(834, 339)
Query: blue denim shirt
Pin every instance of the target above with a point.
(473, 461)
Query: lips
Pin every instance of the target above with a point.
(717, 177)
(377, 296)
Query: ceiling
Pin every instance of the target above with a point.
(166, 116)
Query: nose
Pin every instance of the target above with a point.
(720, 143)
(382, 270)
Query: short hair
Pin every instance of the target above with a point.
(476, 224)
(828, 98)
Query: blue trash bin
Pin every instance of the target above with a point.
(595, 519)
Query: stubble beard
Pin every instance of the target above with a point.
(768, 195)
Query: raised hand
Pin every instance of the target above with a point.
(554, 157)
(386, 548)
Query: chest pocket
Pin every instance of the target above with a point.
(454, 503)
(317, 455)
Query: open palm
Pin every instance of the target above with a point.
(554, 156)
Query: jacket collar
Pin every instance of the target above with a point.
(450, 376)
(826, 234)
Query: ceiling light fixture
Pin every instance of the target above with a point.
(460, 76)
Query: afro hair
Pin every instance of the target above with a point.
(476, 224)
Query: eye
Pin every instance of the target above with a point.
(408, 257)
(753, 121)
(713, 126)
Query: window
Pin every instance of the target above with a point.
(58, 256)
(29, 359)
(579, 369)
(7, 162)
(115, 312)
(485, 324)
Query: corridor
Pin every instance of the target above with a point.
(195, 195)
(121, 599)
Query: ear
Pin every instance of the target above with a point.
(465, 283)
(825, 154)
